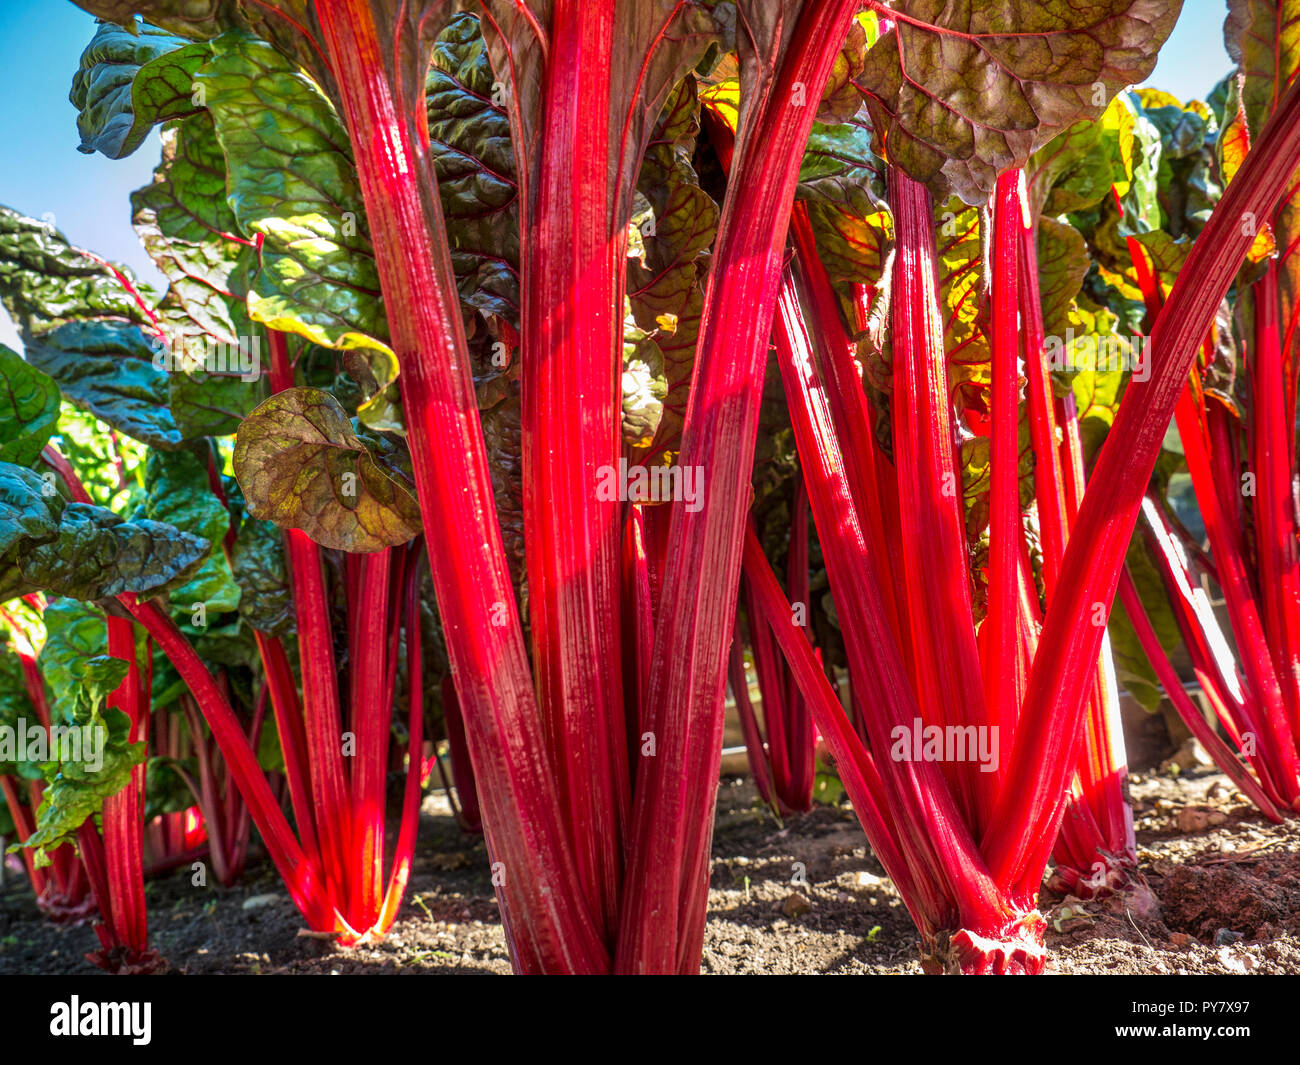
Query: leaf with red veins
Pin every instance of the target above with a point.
(190, 232)
(961, 91)
(963, 302)
(840, 99)
(301, 465)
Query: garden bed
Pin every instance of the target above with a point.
(1224, 898)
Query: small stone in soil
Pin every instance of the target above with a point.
(1181, 940)
(1198, 818)
(795, 905)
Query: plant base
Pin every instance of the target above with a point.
(1016, 950)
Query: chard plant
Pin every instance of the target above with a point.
(587, 306)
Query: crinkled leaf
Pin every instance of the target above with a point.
(81, 677)
(110, 466)
(260, 570)
(1077, 168)
(963, 300)
(29, 409)
(75, 631)
(666, 264)
(839, 168)
(30, 507)
(644, 386)
(108, 369)
(1062, 265)
(840, 99)
(128, 82)
(469, 132)
(282, 22)
(45, 281)
(301, 465)
(1094, 361)
(83, 551)
(956, 98)
(189, 230)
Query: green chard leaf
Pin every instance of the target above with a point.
(129, 80)
(262, 573)
(45, 281)
(291, 180)
(81, 775)
(111, 370)
(474, 160)
(189, 230)
(178, 494)
(111, 466)
(29, 409)
(83, 551)
(665, 281)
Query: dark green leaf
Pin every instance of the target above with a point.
(128, 82)
(110, 369)
(179, 495)
(473, 157)
(260, 570)
(29, 409)
(83, 551)
(45, 281)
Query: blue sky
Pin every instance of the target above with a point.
(41, 171)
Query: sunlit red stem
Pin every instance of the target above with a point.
(300, 876)
(1268, 709)
(372, 711)
(1182, 703)
(124, 820)
(930, 497)
(1272, 444)
(1000, 692)
(759, 759)
(550, 927)
(1098, 826)
(1031, 803)
(695, 615)
(931, 834)
(570, 389)
(410, 817)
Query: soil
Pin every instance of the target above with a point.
(1221, 895)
